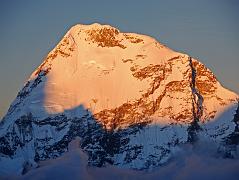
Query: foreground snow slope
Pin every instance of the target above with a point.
(131, 99)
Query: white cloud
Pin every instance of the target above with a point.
(192, 162)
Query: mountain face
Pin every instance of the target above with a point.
(130, 99)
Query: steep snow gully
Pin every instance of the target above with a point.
(197, 106)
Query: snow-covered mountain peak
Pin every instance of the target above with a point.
(106, 71)
(103, 35)
(84, 27)
(125, 94)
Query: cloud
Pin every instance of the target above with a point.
(199, 161)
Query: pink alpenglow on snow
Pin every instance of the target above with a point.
(132, 101)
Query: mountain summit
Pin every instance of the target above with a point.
(130, 99)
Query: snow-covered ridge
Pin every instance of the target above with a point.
(131, 99)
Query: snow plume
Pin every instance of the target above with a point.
(197, 161)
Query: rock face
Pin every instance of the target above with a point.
(130, 99)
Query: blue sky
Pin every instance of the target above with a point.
(205, 29)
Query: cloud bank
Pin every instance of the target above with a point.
(197, 162)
